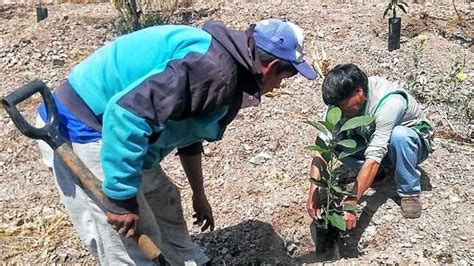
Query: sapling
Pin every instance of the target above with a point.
(333, 145)
(394, 23)
(393, 5)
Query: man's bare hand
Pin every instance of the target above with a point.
(351, 220)
(350, 216)
(124, 224)
(312, 203)
(203, 212)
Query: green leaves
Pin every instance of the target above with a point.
(393, 5)
(316, 148)
(348, 143)
(319, 182)
(321, 143)
(320, 126)
(333, 116)
(402, 8)
(332, 193)
(340, 192)
(321, 147)
(337, 221)
(356, 122)
(389, 7)
(348, 152)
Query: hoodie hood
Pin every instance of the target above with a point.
(241, 46)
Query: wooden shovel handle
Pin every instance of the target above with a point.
(50, 134)
(90, 182)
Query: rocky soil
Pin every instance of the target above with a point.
(256, 177)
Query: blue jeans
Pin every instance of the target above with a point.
(406, 150)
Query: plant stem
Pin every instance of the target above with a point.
(330, 172)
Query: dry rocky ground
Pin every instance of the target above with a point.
(256, 177)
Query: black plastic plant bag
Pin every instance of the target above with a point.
(394, 28)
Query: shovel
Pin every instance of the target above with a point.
(50, 134)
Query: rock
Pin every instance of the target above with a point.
(224, 250)
(291, 248)
(207, 151)
(454, 199)
(57, 61)
(279, 111)
(74, 254)
(227, 257)
(370, 231)
(260, 158)
(63, 257)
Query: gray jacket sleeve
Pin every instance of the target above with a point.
(387, 117)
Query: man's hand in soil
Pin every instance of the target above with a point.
(350, 217)
(203, 212)
(312, 203)
(124, 224)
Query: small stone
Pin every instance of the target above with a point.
(305, 110)
(385, 65)
(217, 259)
(279, 111)
(454, 199)
(423, 80)
(260, 158)
(74, 254)
(224, 251)
(207, 151)
(247, 147)
(406, 245)
(53, 257)
(370, 230)
(275, 145)
(62, 257)
(291, 248)
(58, 62)
(227, 257)
(226, 234)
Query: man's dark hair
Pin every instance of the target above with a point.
(284, 66)
(342, 82)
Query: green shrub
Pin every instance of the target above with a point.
(329, 183)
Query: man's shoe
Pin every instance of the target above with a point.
(411, 207)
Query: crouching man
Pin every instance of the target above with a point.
(399, 137)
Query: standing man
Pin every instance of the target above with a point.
(135, 100)
(400, 136)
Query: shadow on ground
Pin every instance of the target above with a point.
(348, 243)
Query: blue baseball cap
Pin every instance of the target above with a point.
(284, 40)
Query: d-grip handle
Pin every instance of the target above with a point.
(49, 132)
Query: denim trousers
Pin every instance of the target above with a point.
(405, 152)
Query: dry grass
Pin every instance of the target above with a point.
(39, 233)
